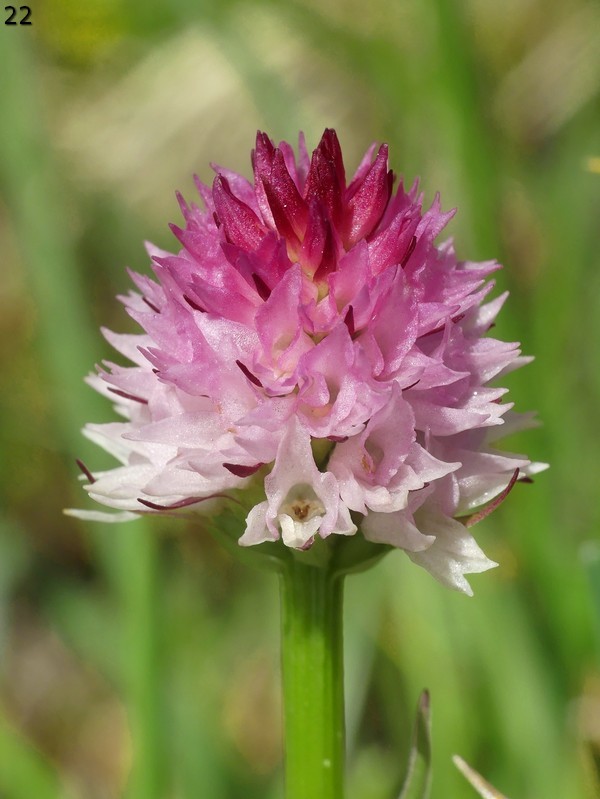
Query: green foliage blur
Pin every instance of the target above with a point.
(142, 660)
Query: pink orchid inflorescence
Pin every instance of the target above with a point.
(312, 340)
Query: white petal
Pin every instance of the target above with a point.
(120, 486)
(453, 554)
(344, 524)
(100, 516)
(395, 529)
(256, 527)
(297, 534)
(535, 467)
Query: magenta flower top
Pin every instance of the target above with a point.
(311, 338)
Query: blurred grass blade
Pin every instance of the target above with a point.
(589, 555)
(418, 777)
(483, 787)
(32, 173)
(24, 772)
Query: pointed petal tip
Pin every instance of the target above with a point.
(100, 516)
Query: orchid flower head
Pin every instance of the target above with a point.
(310, 341)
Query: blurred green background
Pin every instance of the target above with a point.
(142, 660)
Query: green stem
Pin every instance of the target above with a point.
(313, 681)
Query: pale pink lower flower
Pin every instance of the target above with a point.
(307, 314)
